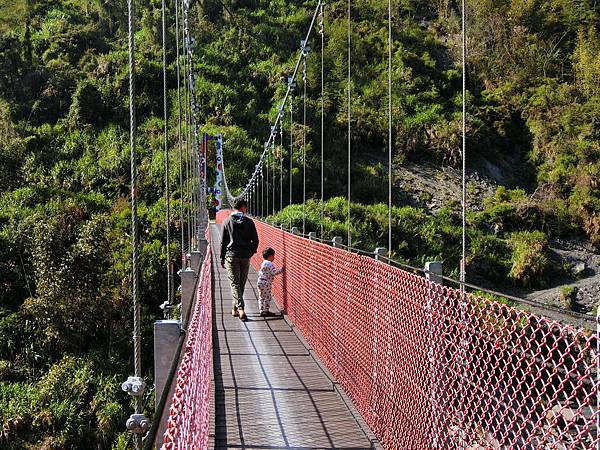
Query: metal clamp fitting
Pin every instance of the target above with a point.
(304, 47)
(138, 424)
(134, 386)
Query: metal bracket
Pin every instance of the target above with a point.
(167, 307)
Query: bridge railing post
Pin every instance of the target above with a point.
(294, 230)
(434, 271)
(312, 236)
(188, 282)
(195, 260)
(166, 336)
(380, 253)
(433, 274)
(337, 241)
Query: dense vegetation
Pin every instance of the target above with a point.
(534, 100)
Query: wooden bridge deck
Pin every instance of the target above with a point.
(269, 390)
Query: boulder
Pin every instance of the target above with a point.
(578, 268)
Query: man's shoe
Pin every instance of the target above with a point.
(243, 316)
(234, 312)
(267, 314)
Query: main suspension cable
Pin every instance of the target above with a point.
(267, 179)
(179, 134)
(291, 83)
(281, 166)
(166, 156)
(200, 161)
(273, 174)
(291, 152)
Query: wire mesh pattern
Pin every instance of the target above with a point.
(429, 367)
(189, 414)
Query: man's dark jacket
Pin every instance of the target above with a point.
(239, 238)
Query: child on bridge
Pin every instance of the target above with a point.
(266, 275)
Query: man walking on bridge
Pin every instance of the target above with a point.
(239, 242)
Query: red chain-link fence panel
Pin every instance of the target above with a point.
(222, 215)
(429, 367)
(189, 414)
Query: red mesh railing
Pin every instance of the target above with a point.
(430, 368)
(188, 424)
(222, 215)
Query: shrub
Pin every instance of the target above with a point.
(568, 296)
(531, 264)
(489, 256)
(493, 297)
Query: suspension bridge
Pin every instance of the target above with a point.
(363, 354)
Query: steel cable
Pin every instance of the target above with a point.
(322, 33)
(291, 150)
(463, 268)
(465, 341)
(390, 167)
(267, 182)
(273, 175)
(166, 156)
(304, 80)
(291, 85)
(281, 166)
(188, 155)
(189, 141)
(200, 161)
(134, 213)
(349, 116)
(179, 133)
